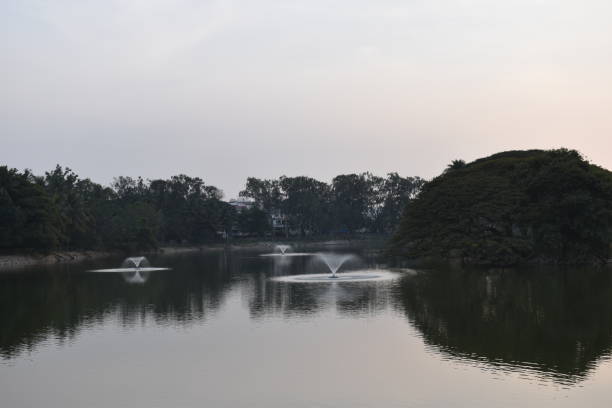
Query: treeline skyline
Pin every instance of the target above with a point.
(235, 194)
(60, 210)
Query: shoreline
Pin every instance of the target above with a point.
(22, 260)
(17, 261)
(11, 262)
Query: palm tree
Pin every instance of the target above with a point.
(455, 165)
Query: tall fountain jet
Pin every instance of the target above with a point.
(334, 261)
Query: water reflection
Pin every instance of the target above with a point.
(556, 324)
(136, 277)
(58, 302)
(266, 297)
(270, 298)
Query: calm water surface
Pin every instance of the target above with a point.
(216, 331)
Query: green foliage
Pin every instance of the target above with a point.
(545, 206)
(354, 196)
(305, 202)
(61, 211)
(352, 202)
(393, 195)
(253, 220)
(28, 217)
(191, 212)
(455, 165)
(71, 198)
(266, 193)
(133, 226)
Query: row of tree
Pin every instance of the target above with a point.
(62, 211)
(351, 203)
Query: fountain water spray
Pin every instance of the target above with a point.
(285, 251)
(282, 248)
(135, 262)
(134, 269)
(334, 261)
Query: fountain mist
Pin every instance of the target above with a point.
(334, 261)
(282, 248)
(135, 262)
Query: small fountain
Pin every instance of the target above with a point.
(334, 263)
(282, 248)
(133, 269)
(135, 262)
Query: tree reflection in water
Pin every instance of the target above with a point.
(557, 324)
(56, 302)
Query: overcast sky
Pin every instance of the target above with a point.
(229, 89)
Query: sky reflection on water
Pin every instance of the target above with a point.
(216, 330)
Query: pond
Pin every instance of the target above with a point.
(226, 329)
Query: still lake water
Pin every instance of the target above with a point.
(216, 331)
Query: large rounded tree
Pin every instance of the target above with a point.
(512, 207)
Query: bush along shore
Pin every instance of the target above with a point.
(515, 207)
(23, 260)
(14, 261)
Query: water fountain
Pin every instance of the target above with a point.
(133, 265)
(282, 250)
(334, 263)
(135, 262)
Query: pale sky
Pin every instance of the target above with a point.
(228, 89)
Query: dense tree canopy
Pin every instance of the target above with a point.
(62, 211)
(517, 206)
(351, 203)
(266, 193)
(28, 217)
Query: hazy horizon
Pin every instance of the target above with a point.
(224, 90)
